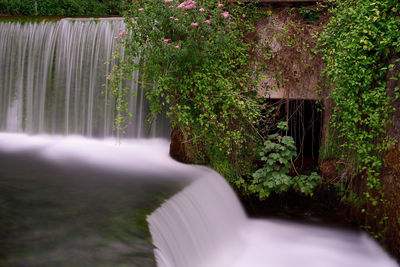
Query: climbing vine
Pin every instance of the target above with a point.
(357, 44)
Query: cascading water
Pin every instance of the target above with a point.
(53, 80)
(53, 83)
(198, 225)
(205, 226)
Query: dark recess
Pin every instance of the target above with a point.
(305, 124)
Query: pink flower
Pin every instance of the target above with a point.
(225, 14)
(115, 37)
(194, 24)
(141, 9)
(171, 17)
(220, 5)
(167, 1)
(122, 33)
(166, 40)
(208, 21)
(202, 36)
(189, 4)
(201, 10)
(176, 19)
(177, 47)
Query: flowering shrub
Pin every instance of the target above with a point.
(193, 58)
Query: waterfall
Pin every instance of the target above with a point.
(53, 80)
(198, 224)
(205, 226)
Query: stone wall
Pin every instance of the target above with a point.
(391, 178)
(290, 67)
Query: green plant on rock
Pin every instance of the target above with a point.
(277, 155)
(310, 14)
(357, 45)
(306, 183)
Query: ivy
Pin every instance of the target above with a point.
(357, 44)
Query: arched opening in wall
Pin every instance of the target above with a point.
(304, 119)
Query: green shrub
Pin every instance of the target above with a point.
(356, 46)
(62, 7)
(200, 66)
(277, 155)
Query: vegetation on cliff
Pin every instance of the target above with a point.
(357, 45)
(195, 60)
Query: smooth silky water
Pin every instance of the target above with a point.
(81, 202)
(74, 193)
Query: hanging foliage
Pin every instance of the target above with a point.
(357, 45)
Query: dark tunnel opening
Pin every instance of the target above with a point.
(305, 126)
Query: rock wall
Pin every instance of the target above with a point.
(290, 66)
(391, 178)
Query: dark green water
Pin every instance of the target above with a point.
(75, 215)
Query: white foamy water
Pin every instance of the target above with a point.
(127, 155)
(205, 225)
(198, 225)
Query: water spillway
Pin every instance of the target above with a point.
(69, 198)
(204, 225)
